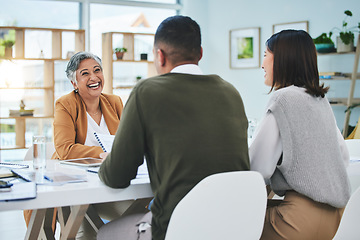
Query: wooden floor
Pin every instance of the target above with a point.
(12, 225)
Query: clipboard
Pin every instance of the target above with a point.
(106, 141)
(20, 191)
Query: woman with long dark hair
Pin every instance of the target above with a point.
(298, 147)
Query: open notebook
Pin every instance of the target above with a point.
(105, 141)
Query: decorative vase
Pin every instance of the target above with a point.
(342, 47)
(8, 52)
(119, 55)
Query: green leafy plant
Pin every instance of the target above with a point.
(120, 49)
(323, 38)
(347, 33)
(8, 43)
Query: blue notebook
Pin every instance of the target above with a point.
(19, 191)
(105, 141)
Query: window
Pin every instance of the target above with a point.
(44, 14)
(124, 16)
(117, 18)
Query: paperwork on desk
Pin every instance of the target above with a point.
(49, 177)
(141, 173)
(5, 172)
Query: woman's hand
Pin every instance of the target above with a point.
(103, 155)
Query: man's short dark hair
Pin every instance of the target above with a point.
(180, 38)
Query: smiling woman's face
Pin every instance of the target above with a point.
(267, 65)
(90, 79)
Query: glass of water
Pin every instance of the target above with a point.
(39, 154)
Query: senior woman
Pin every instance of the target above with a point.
(85, 110)
(77, 116)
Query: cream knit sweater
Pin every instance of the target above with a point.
(311, 163)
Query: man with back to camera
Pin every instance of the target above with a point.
(188, 126)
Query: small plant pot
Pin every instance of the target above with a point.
(119, 55)
(325, 47)
(143, 56)
(8, 52)
(342, 47)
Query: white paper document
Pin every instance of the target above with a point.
(105, 141)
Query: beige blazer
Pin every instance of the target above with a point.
(70, 125)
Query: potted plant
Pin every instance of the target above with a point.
(324, 44)
(345, 40)
(8, 47)
(120, 52)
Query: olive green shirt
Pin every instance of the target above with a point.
(188, 127)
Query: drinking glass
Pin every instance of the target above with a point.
(39, 155)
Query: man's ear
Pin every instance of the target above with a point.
(161, 57)
(201, 53)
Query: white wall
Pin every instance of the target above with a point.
(217, 17)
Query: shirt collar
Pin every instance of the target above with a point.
(188, 69)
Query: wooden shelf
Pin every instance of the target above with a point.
(353, 77)
(26, 88)
(35, 59)
(133, 61)
(13, 148)
(345, 76)
(48, 72)
(124, 87)
(129, 57)
(336, 53)
(342, 101)
(23, 117)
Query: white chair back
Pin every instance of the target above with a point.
(349, 228)
(50, 149)
(353, 146)
(227, 205)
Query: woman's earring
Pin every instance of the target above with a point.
(76, 90)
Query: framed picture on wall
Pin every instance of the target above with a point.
(245, 48)
(303, 25)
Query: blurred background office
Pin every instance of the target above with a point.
(23, 78)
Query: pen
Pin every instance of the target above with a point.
(47, 178)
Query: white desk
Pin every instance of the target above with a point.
(77, 195)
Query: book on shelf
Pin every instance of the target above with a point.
(21, 112)
(330, 75)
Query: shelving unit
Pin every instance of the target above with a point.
(353, 76)
(128, 41)
(47, 71)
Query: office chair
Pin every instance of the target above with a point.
(349, 225)
(227, 205)
(50, 149)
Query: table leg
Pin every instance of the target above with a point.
(63, 215)
(48, 224)
(93, 218)
(36, 221)
(73, 223)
